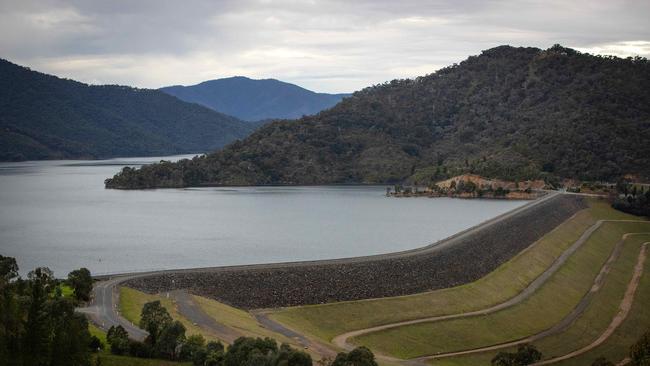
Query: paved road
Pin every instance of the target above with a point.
(103, 309)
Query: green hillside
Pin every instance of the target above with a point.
(45, 117)
(510, 113)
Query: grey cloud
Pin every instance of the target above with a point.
(331, 46)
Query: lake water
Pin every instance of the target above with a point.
(58, 214)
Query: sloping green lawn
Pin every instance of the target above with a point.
(556, 298)
(594, 320)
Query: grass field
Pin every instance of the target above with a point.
(132, 301)
(237, 319)
(97, 332)
(328, 320)
(602, 309)
(66, 291)
(556, 298)
(113, 360)
(617, 346)
(594, 320)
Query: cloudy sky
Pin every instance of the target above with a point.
(329, 46)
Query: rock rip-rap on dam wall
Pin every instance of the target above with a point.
(467, 259)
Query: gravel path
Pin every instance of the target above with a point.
(189, 309)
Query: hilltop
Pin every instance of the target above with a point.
(255, 100)
(508, 113)
(46, 117)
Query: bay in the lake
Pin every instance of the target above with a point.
(58, 214)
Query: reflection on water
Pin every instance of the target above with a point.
(58, 214)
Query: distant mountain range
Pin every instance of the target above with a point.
(510, 113)
(255, 100)
(45, 117)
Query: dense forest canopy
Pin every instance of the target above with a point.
(45, 117)
(510, 113)
(255, 100)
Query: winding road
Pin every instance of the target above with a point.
(103, 310)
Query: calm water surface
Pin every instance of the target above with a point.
(58, 214)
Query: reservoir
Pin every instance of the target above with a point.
(58, 214)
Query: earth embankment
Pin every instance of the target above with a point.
(460, 259)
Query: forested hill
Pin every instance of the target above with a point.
(510, 113)
(255, 100)
(45, 117)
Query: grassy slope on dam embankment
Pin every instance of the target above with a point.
(592, 323)
(546, 307)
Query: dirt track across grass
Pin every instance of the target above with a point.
(569, 318)
(188, 308)
(624, 310)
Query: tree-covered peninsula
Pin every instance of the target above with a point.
(508, 113)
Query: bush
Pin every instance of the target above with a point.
(82, 283)
(360, 356)
(526, 354)
(636, 205)
(640, 351)
(118, 339)
(602, 361)
(140, 349)
(95, 344)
